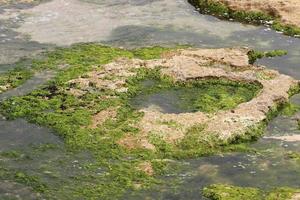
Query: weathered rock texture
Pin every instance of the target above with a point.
(288, 10)
(189, 64)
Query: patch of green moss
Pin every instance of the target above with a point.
(11, 154)
(255, 55)
(294, 156)
(290, 109)
(222, 11)
(23, 178)
(31, 181)
(150, 53)
(275, 53)
(14, 78)
(197, 143)
(287, 29)
(229, 192)
(284, 193)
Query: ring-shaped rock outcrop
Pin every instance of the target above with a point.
(199, 64)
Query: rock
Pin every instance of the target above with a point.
(197, 64)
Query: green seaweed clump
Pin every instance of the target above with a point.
(255, 55)
(284, 193)
(229, 192)
(14, 78)
(287, 29)
(294, 156)
(290, 109)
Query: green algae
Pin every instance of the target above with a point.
(23, 178)
(70, 117)
(229, 192)
(290, 109)
(255, 55)
(199, 143)
(284, 193)
(14, 78)
(252, 17)
(287, 29)
(152, 52)
(294, 156)
(205, 96)
(31, 181)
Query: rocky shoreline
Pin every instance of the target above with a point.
(282, 16)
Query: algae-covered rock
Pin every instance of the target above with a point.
(88, 104)
(284, 193)
(229, 192)
(228, 97)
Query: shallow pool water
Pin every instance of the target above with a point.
(198, 97)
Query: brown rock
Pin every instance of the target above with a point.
(146, 167)
(102, 116)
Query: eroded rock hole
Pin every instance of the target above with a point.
(205, 96)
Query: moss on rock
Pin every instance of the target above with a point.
(14, 78)
(255, 55)
(229, 192)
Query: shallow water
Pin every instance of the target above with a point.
(27, 30)
(180, 99)
(18, 134)
(36, 81)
